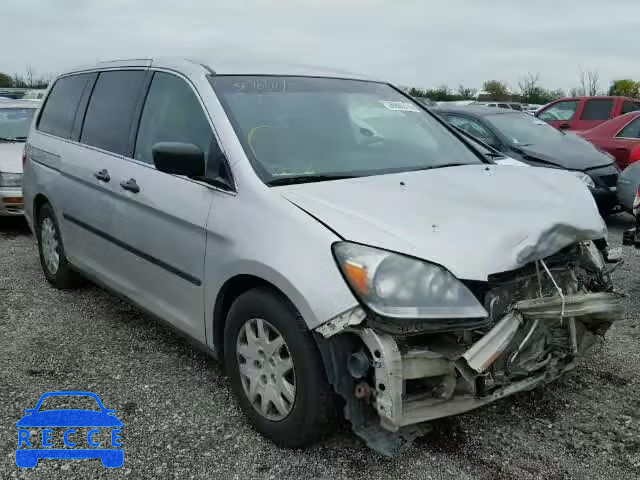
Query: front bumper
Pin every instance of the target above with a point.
(11, 201)
(541, 319)
(462, 383)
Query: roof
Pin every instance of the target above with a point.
(11, 103)
(227, 66)
(596, 97)
(475, 111)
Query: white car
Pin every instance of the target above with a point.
(15, 120)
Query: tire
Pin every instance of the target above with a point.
(312, 411)
(61, 276)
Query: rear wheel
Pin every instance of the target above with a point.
(54, 263)
(275, 369)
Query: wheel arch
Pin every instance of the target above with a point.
(39, 200)
(230, 291)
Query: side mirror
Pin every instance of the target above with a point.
(179, 158)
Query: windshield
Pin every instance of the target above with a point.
(15, 123)
(292, 127)
(522, 129)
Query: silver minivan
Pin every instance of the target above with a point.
(334, 242)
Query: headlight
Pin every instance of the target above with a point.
(586, 179)
(398, 286)
(10, 179)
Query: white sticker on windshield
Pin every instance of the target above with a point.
(399, 106)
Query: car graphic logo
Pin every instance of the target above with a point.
(32, 448)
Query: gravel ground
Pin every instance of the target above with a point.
(181, 421)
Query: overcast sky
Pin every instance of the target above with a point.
(424, 42)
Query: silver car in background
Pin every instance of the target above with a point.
(628, 184)
(15, 119)
(323, 234)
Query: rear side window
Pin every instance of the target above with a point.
(632, 130)
(630, 107)
(61, 105)
(561, 111)
(172, 113)
(110, 111)
(598, 109)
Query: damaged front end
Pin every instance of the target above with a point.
(397, 374)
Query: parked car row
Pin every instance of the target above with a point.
(326, 236)
(610, 124)
(584, 113)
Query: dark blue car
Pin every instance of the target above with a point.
(70, 419)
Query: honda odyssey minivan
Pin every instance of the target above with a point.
(324, 234)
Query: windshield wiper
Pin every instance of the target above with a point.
(433, 167)
(494, 155)
(13, 139)
(306, 179)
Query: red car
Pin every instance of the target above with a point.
(583, 113)
(619, 136)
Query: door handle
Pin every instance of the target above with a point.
(130, 185)
(563, 126)
(102, 175)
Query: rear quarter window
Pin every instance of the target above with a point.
(61, 105)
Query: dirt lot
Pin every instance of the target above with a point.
(181, 421)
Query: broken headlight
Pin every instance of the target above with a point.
(397, 286)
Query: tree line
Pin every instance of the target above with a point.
(530, 90)
(29, 79)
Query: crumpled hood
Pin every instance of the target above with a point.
(474, 220)
(11, 157)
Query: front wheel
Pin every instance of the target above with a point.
(275, 369)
